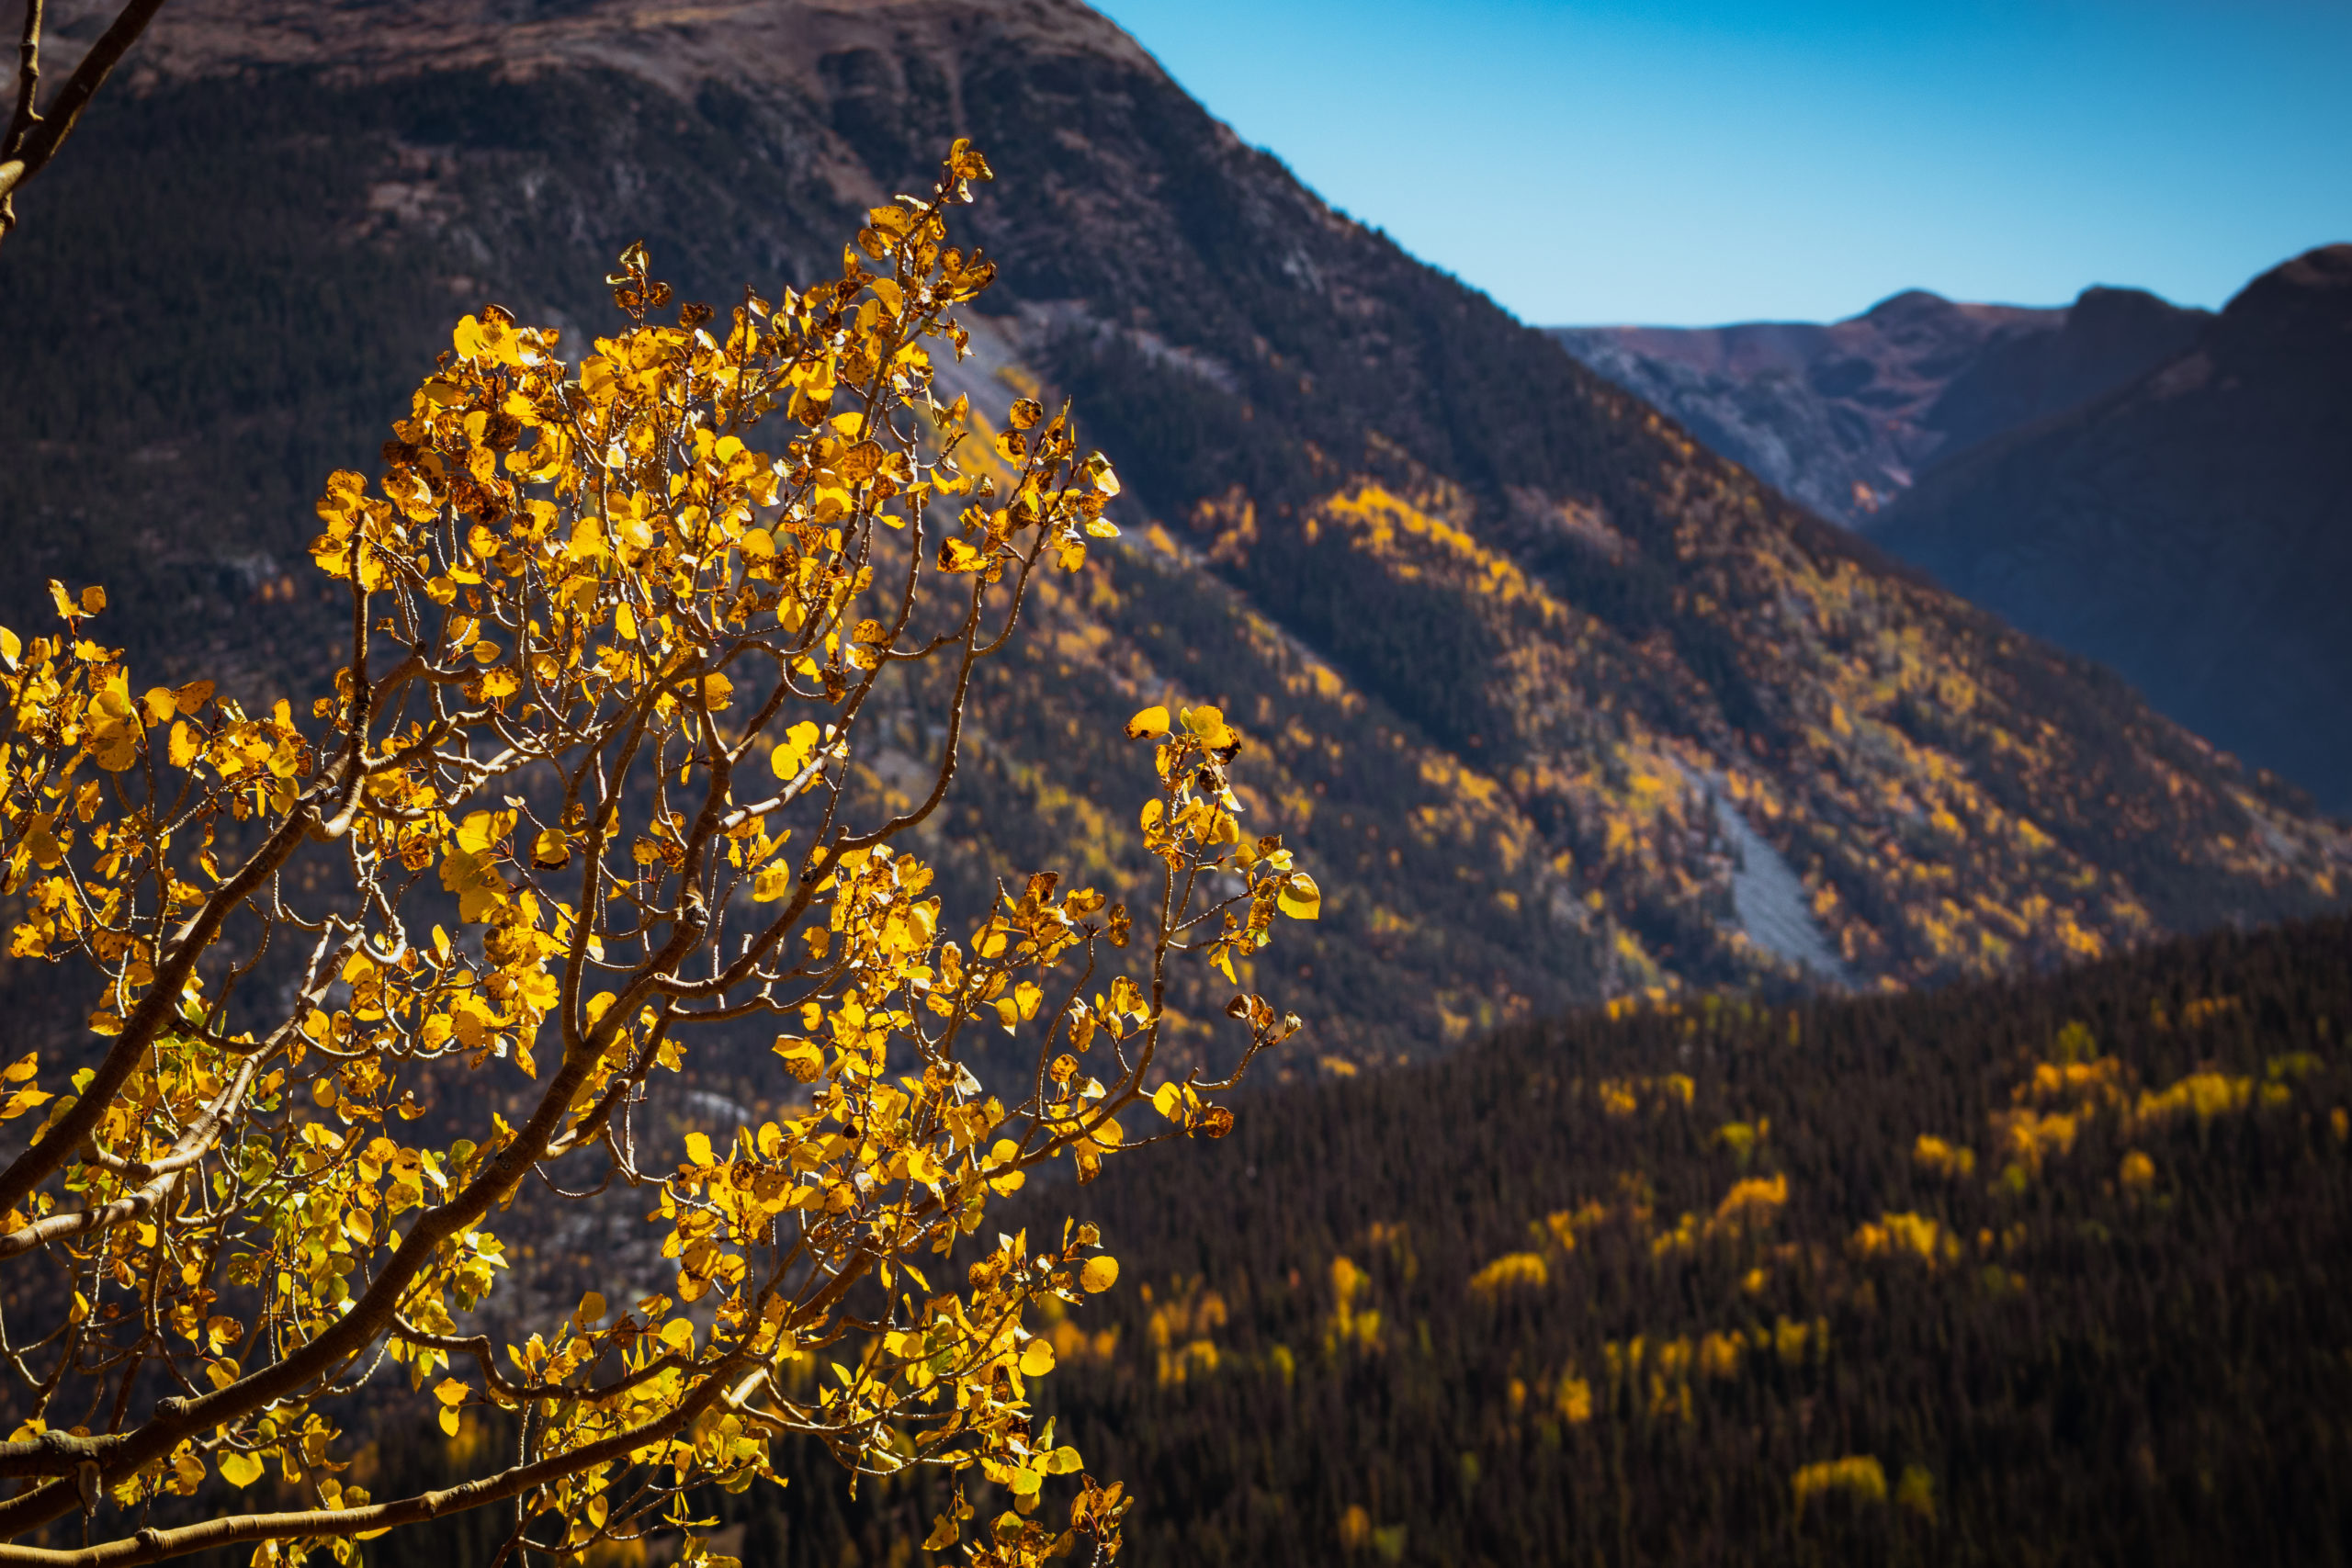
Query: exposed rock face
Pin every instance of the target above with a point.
(2193, 528)
(1844, 417)
(1484, 618)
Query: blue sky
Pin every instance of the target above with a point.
(1691, 162)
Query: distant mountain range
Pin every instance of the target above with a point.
(2165, 491)
(1557, 703)
(2191, 527)
(1845, 417)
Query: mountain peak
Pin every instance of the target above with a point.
(2295, 321)
(2323, 267)
(1908, 305)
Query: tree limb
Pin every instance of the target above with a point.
(34, 138)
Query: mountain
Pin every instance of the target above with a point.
(1844, 417)
(2193, 528)
(2062, 1261)
(1555, 704)
(2046, 1271)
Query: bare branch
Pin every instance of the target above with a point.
(35, 138)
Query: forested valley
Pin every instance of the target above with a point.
(2027, 1273)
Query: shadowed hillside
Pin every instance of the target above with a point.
(2192, 529)
(1507, 645)
(2028, 1273)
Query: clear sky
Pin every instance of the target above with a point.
(1685, 162)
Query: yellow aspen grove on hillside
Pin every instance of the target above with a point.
(583, 795)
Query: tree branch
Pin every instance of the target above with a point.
(34, 138)
(27, 83)
(154, 1545)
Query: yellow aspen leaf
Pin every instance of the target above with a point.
(699, 1149)
(240, 1469)
(1100, 1274)
(943, 1534)
(12, 646)
(1299, 897)
(1037, 1358)
(24, 1099)
(480, 829)
(23, 1067)
(183, 745)
(1208, 723)
(451, 1391)
(1151, 721)
(678, 1335)
(550, 851)
(192, 696)
(771, 883)
(792, 752)
(449, 1421)
(93, 599)
(590, 1310)
(1003, 1153)
(717, 691)
(804, 1058)
(160, 702)
(1026, 412)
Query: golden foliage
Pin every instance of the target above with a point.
(1907, 1235)
(1935, 1155)
(1858, 1476)
(1349, 1323)
(589, 787)
(2200, 1095)
(1512, 1272)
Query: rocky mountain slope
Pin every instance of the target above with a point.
(1509, 644)
(1842, 418)
(2193, 528)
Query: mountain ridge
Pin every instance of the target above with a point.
(1503, 658)
(1842, 417)
(2189, 526)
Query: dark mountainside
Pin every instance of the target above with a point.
(2034, 1273)
(2192, 529)
(1556, 704)
(1844, 418)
